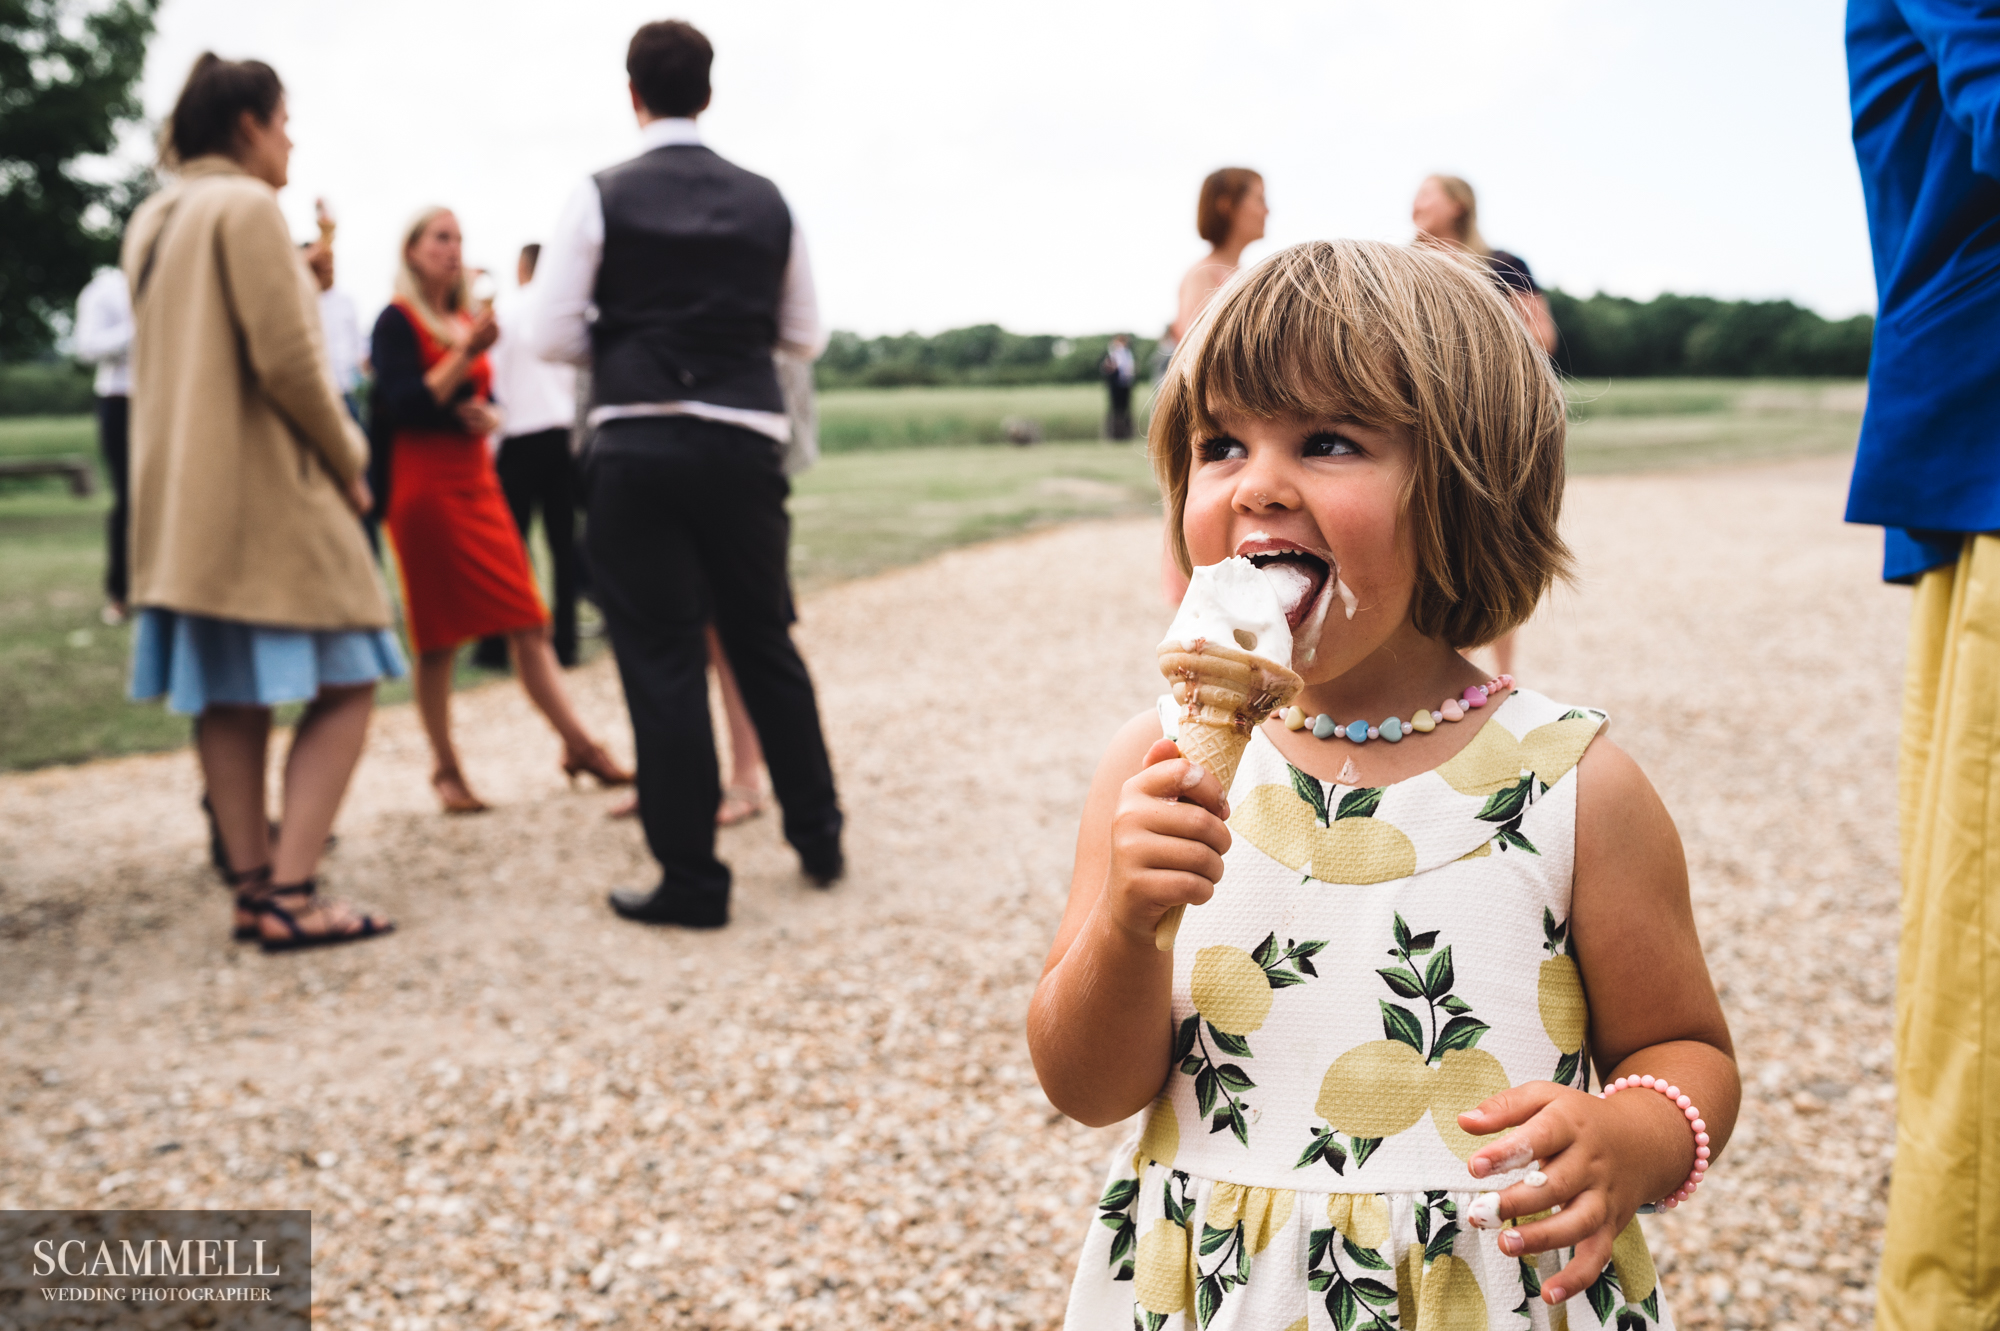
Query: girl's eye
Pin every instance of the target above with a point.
(1325, 445)
(1222, 449)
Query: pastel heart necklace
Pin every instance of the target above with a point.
(1395, 728)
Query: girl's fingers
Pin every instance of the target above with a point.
(1165, 889)
(1548, 1185)
(1143, 817)
(1176, 778)
(1580, 1217)
(1542, 1135)
(1157, 852)
(1586, 1264)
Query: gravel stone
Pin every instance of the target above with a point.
(519, 1109)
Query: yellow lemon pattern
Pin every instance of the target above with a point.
(1560, 998)
(1232, 995)
(1451, 1299)
(1357, 849)
(1464, 1078)
(1429, 1062)
(1362, 1217)
(1231, 991)
(1495, 758)
(1160, 1279)
(1376, 1089)
(1633, 1262)
(1161, 1141)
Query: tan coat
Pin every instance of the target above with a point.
(241, 447)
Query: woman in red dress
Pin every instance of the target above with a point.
(464, 568)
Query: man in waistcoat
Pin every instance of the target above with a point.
(674, 276)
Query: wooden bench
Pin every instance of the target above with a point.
(81, 473)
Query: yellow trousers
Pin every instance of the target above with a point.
(1941, 1259)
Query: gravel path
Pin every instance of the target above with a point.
(518, 1109)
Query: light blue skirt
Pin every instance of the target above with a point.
(198, 662)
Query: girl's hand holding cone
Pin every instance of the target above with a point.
(1167, 841)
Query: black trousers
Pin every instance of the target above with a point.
(114, 418)
(536, 471)
(1119, 425)
(687, 526)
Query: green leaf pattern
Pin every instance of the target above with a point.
(1219, 1086)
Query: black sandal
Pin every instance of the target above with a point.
(246, 885)
(298, 939)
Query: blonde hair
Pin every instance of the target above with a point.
(1393, 336)
(1459, 191)
(441, 323)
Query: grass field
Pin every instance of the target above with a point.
(875, 418)
(910, 480)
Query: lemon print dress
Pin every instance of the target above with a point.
(1375, 961)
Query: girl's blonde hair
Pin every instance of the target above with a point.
(1459, 191)
(441, 323)
(1390, 336)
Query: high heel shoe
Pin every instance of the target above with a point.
(594, 761)
(461, 800)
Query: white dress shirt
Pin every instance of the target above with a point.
(340, 326)
(533, 394)
(104, 332)
(561, 314)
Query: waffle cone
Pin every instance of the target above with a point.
(1225, 693)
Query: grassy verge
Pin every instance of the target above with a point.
(876, 418)
(62, 673)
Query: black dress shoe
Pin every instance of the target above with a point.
(825, 870)
(664, 905)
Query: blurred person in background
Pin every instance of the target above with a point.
(1926, 105)
(696, 272)
(1446, 213)
(250, 576)
(538, 400)
(1229, 214)
(1120, 370)
(464, 568)
(743, 791)
(103, 336)
(339, 322)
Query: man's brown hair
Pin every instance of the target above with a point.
(1393, 336)
(668, 62)
(1220, 194)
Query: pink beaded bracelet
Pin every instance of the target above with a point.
(1693, 1115)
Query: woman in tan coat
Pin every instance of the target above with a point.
(250, 572)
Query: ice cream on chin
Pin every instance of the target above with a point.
(1226, 658)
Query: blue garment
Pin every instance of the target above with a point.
(1924, 81)
(198, 662)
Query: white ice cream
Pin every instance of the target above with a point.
(1234, 602)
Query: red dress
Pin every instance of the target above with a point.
(464, 567)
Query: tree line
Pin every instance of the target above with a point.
(1600, 337)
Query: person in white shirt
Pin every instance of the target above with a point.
(676, 275)
(340, 325)
(537, 400)
(103, 335)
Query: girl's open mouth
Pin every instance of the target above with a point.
(1297, 575)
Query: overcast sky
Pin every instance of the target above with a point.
(1035, 164)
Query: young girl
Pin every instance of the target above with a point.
(1364, 1065)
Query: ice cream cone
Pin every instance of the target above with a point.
(1225, 693)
